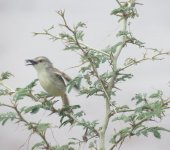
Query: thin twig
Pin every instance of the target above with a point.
(8, 88)
(21, 119)
(76, 66)
(119, 3)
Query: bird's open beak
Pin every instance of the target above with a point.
(30, 62)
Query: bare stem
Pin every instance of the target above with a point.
(110, 86)
(154, 57)
(85, 51)
(8, 88)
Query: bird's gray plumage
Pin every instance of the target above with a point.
(51, 79)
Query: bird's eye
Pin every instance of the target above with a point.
(40, 60)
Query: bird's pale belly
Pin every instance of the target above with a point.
(52, 86)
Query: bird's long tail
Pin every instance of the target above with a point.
(65, 99)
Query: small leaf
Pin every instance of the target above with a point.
(33, 109)
(70, 87)
(79, 114)
(139, 98)
(5, 75)
(154, 130)
(156, 134)
(158, 94)
(130, 61)
(122, 108)
(112, 48)
(80, 35)
(3, 92)
(32, 84)
(80, 24)
(125, 118)
(20, 94)
(91, 145)
(42, 127)
(71, 47)
(7, 116)
(74, 83)
(42, 94)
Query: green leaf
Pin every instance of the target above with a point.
(42, 94)
(3, 92)
(162, 129)
(145, 133)
(74, 107)
(122, 108)
(121, 134)
(71, 86)
(80, 24)
(106, 75)
(7, 116)
(5, 75)
(71, 47)
(124, 77)
(42, 127)
(74, 83)
(85, 68)
(91, 145)
(88, 124)
(67, 37)
(139, 98)
(80, 35)
(157, 109)
(145, 115)
(130, 61)
(63, 147)
(154, 130)
(33, 109)
(112, 48)
(79, 114)
(65, 117)
(125, 118)
(20, 94)
(156, 134)
(65, 122)
(122, 33)
(118, 10)
(157, 94)
(125, 9)
(32, 84)
(89, 91)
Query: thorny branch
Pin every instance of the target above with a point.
(52, 110)
(21, 119)
(125, 11)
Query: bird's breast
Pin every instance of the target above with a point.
(51, 84)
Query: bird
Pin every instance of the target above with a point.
(50, 78)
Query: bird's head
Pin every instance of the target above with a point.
(39, 63)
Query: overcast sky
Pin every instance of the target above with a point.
(19, 18)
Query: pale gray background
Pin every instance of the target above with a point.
(19, 18)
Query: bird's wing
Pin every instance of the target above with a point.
(65, 76)
(59, 77)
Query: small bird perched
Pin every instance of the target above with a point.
(50, 78)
